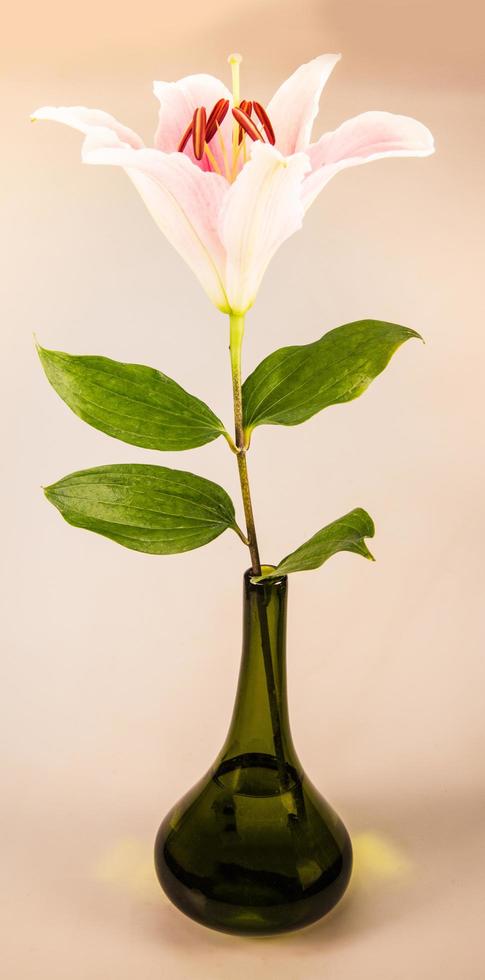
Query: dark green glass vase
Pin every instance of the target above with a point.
(253, 849)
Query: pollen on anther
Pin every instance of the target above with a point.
(245, 106)
(185, 138)
(216, 116)
(265, 121)
(199, 132)
(247, 124)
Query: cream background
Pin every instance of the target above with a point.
(115, 692)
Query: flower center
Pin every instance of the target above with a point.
(203, 128)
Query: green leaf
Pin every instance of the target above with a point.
(294, 383)
(345, 534)
(136, 404)
(153, 509)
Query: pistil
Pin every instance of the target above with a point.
(234, 61)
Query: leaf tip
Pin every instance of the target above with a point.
(414, 335)
(41, 351)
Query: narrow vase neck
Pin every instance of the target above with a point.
(260, 723)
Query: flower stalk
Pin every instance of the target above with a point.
(235, 346)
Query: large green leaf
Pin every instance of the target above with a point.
(294, 383)
(345, 534)
(131, 402)
(147, 508)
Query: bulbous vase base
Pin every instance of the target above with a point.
(253, 850)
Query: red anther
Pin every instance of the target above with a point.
(265, 121)
(216, 116)
(247, 107)
(247, 124)
(185, 138)
(198, 132)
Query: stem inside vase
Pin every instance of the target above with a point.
(273, 699)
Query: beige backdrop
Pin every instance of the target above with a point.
(115, 697)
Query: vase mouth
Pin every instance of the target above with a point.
(279, 581)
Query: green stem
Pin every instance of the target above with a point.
(236, 337)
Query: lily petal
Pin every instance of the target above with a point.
(294, 106)
(262, 209)
(370, 136)
(83, 119)
(178, 102)
(183, 200)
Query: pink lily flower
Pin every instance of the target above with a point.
(227, 180)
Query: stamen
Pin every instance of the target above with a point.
(212, 160)
(265, 121)
(247, 107)
(215, 118)
(198, 134)
(247, 124)
(224, 153)
(185, 138)
(235, 158)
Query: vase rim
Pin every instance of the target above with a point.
(280, 580)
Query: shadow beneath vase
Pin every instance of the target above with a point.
(398, 871)
(403, 867)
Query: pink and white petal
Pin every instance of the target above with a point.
(83, 119)
(294, 106)
(262, 209)
(370, 136)
(178, 102)
(183, 200)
